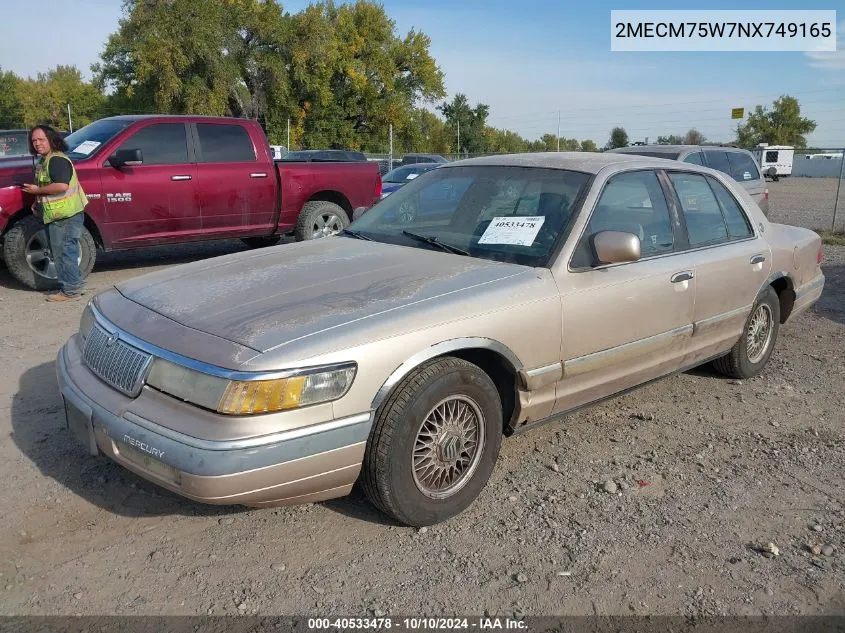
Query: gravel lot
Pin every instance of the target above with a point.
(705, 470)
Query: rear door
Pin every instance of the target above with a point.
(156, 201)
(237, 183)
(730, 261)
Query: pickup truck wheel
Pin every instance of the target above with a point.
(751, 353)
(29, 259)
(320, 218)
(261, 242)
(434, 443)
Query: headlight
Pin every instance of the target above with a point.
(297, 389)
(86, 322)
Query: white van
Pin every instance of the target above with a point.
(775, 160)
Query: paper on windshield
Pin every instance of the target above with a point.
(86, 148)
(411, 176)
(521, 231)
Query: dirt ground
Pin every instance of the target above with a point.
(706, 470)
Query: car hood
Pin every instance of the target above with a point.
(272, 297)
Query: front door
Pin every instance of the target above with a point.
(156, 201)
(625, 324)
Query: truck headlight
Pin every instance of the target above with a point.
(295, 389)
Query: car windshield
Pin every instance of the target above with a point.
(501, 213)
(86, 141)
(403, 174)
(14, 143)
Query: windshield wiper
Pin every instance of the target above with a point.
(357, 234)
(429, 239)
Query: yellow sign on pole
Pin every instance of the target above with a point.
(737, 113)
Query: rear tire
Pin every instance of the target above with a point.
(752, 352)
(320, 218)
(29, 259)
(434, 443)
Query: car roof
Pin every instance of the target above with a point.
(672, 149)
(588, 162)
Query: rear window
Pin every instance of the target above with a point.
(718, 160)
(743, 167)
(225, 143)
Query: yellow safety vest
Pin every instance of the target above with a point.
(60, 205)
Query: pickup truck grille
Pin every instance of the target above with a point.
(116, 362)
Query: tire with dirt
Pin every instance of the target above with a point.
(28, 257)
(754, 348)
(434, 443)
(320, 218)
(261, 242)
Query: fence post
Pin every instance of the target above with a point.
(838, 187)
(390, 156)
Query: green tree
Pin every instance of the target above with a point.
(45, 99)
(694, 137)
(782, 125)
(672, 139)
(11, 108)
(589, 146)
(467, 123)
(197, 56)
(618, 138)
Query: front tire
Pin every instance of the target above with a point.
(29, 259)
(434, 443)
(752, 352)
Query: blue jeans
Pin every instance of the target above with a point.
(64, 243)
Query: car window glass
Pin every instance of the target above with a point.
(743, 167)
(632, 203)
(737, 223)
(705, 223)
(225, 143)
(718, 160)
(160, 144)
(694, 158)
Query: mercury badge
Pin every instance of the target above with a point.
(111, 340)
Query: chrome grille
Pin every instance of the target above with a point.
(116, 362)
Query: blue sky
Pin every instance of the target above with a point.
(537, 60)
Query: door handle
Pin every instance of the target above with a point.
(758, 259)
(180, 178)
(684, 275)
(258, 175)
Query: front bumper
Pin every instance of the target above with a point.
(313, 463)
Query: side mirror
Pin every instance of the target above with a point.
(616, 247)
(358, 212)
(126, 157)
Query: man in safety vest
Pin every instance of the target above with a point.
(61, 202)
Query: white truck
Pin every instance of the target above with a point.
(775, 160)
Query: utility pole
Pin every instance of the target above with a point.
(459, 140)
(69, 121)
(558, 130)
(390, 157)
(841, 174)
(288, 147)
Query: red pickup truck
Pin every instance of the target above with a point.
(161, 179)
